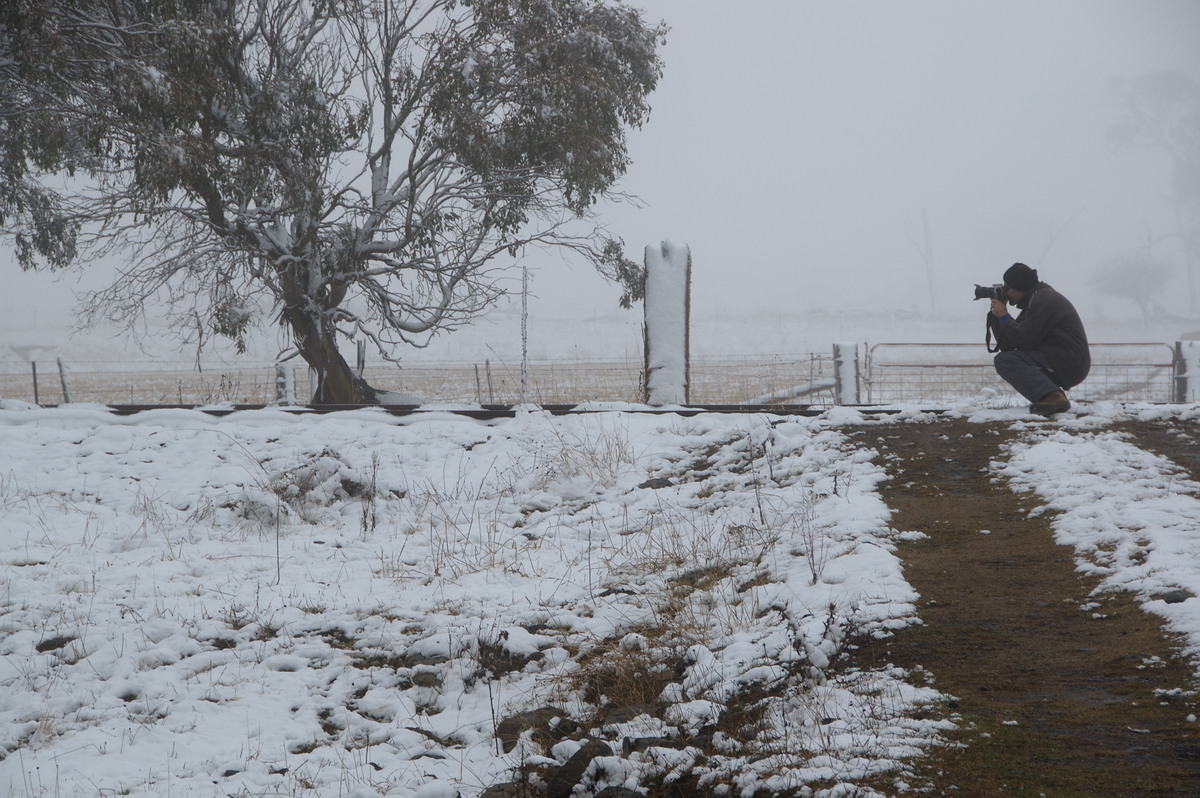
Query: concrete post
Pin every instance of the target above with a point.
(845, 373)
(1187, 371)
(668, 310)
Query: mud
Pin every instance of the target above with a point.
(1056, 692)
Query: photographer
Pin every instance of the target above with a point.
(1044, 350)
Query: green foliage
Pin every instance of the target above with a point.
(630, 275)
(67, 71)
(47, 233)
(531, 88)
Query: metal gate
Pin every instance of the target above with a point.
(897, 372)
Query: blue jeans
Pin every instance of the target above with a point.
(1028, 371)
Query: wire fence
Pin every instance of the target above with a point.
(712, 381)
(897, 373)
(889, 373)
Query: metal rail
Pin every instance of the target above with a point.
(492, 412)
(505, 411)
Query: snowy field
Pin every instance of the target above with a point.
(356, 604)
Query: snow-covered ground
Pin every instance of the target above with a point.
(270, 603)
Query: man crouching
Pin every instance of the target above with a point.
(1044, 350)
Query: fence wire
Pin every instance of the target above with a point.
(890, 373)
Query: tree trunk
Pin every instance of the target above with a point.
(337, 384)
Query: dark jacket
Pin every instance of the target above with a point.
(1049, 324)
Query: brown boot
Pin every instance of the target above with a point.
(1051, 403)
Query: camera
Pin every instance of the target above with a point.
(996, 291)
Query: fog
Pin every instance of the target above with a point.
(797, 146)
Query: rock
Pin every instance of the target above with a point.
(625, 714)
(636, 744)
(654, 483)
(563, 782)
(427, 678)
(550, 724)
(52, 644)
(415, 660)
(1173, 596)
(702, 742)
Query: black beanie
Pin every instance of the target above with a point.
(1021, 277)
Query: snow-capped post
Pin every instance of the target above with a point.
(1187, 371)
(285, 384)
(845, 373)
(668, 311)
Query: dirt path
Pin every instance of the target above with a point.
(1052, 700)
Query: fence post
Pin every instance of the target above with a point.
(1187, 371)
(668, 308)
(285, 384)
(36, 399)
(64, 377)
(845, 373)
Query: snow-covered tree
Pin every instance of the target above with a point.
(64, 64)
(1161, 110)
(365, 168)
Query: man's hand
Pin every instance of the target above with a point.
(999, 308)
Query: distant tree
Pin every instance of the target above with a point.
(1161, 110)
(1135, 276)
(368, 168)
(925, 247)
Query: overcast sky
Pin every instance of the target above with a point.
(794, 145)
